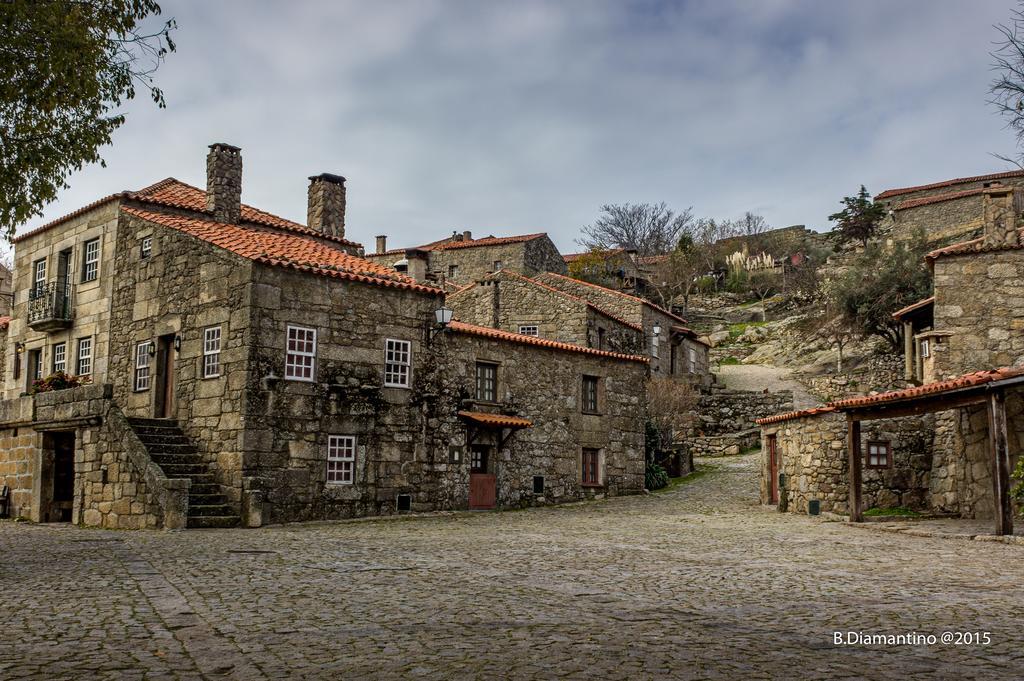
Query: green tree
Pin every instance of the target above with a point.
(879, 282)
(64, 67)
(859, 218)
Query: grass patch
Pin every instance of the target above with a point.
(898, 511)
(729, 361)
(675, 483)
(737, 330)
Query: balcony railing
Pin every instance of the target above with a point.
(49, 306)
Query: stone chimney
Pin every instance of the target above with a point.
(467, 235)
(1000, 216)
(417, 267)
(382, 243)
(224, 182)
(326, 207)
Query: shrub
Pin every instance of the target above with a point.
(655, 477)
(58, 380)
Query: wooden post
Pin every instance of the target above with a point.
(908, 351)
(1000, 451)
(854, 456)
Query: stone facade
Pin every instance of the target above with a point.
(6, 282)
(515, 303)
(728, 411)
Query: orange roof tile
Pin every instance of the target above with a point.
(898, 314)
(949, 183)
(265, 245)
(448, 243)
(486, 332)
(959, 383)
(592, 306)
(938, 198)
(627, 296)
(790, 415)
(975, 246)
(495, 420)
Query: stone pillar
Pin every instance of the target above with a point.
(326, 205)
(417, 267)
(382, 244)
(224, 182)
(1000, 219)
(908, 351)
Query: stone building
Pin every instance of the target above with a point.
(944, 211)
(249, 369)
(461, 259)
(617, 268)
(949, 444)
(6, 284)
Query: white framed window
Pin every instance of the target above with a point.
(497, 266)
(39, 276)
(84, 366)
(693, 360)
(146, 247)
(60, 357)
(91, 260)
(926, 349)
(211, 352)
(142, 364)
(397, 363)
(453, 271)
(528, 329)
(300, 355)
(341, 459)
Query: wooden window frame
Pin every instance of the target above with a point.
(63, 357)
(590, 468)
(453, 271)
(146, 247)
(38, 283)
(341, 459)
(295, 365)
(88, 262)
(86, 359)
(397, 363)
(586, 406)
(887, 444)
(492, 367)
(212, 336)
(143, 376)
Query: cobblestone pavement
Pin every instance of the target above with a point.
(695, 582)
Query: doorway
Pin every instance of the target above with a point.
(773, 470)
(57, 477)
(163, 405)
(482, 480)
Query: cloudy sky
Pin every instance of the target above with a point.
(511, 117)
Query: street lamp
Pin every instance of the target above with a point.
(442, 318)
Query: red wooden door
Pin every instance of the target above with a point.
(773, 471)
(482, 490)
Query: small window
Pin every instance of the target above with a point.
(146, 247)
(60, 357)
(497, 266)
(591, 470)
(926, 349)
(397, 363)
(300, 357)
(693, 360)
(600, 339)
(880, 454)
(142, 363)
(211, 352)
(35, 365)
(453, 271)
(590, 387)
(84, 367)
(38, 277)
(486, 382)
(528, 329)
(341, 459)
(91, 260)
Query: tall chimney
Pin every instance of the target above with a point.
(382, 243)
(224, 182)
(326, 207)
(467, 235)
(1000, 216)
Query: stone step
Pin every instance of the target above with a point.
(221, 509)
(211, 521)
(165, 441)
(196, 478)
(201, 489)
(207, 499)
(175, 456)
(184, 470)
(136, 421)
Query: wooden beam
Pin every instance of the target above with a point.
(1000, 451)
(854, 458)
(916, 407)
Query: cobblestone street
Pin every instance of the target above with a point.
(695, 582)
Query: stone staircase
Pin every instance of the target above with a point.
(170, 449)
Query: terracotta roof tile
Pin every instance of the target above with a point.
(486, 332)
(960, 382)
(975, 246)
(912, 307)
(448, 244)
(949, 183)
(592, 306)
(789, 416)
(938, 198)
(497, 420)
(627, 296)
(268, 246)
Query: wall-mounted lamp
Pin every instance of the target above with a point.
(442, 318)
(19, 348)
(657, 329)
(177, 343)
(152, 349)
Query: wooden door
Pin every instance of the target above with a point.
(163, 407)
(63, 476)
(773, 470)
(482, 481)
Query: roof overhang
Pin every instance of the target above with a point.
(486, 420)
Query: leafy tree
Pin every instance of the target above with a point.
(859, 218)
(593, 266)
(879, 282)
(648, 229)
(64, 67)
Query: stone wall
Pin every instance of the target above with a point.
(947, 189)
(881, 373)
(812, 454)
(477, 261)
(953, 220)
(18, 446)
(6, 283)
(979, 299)
(730, 411)
(730, 444)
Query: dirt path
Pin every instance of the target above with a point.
(761, 377)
